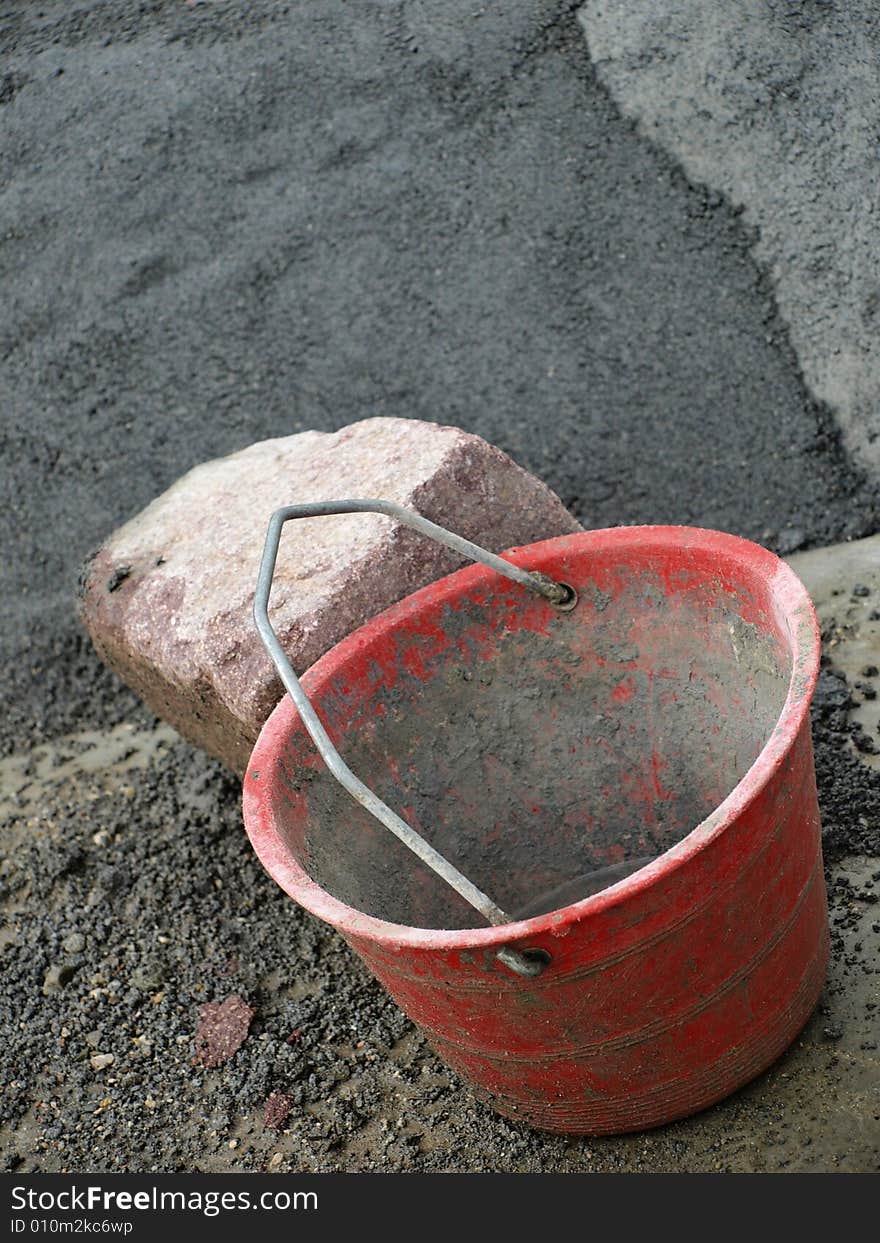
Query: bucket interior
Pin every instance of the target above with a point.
(545, 754)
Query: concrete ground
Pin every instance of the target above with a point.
(233, 220)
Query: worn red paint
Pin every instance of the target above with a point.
(676, 985)
(623, 691)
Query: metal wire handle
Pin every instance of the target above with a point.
(560, 595)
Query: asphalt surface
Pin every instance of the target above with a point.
(230, 221)
(732, 92)
(233, 221)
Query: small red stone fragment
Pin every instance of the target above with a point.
(223, 1028)
(278, 1106)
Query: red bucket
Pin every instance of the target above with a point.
(631, 781)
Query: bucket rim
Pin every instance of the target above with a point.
(794, 612)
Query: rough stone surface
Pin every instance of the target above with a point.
(168, 598)
(777, 106)
(223, 1028)
(277, 1110)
